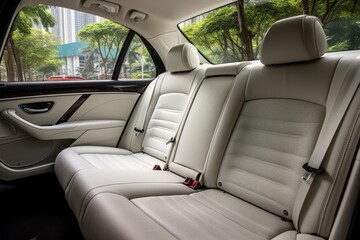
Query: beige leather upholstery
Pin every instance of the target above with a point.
(211, 214)
(72, 160)
(167, 107)
(118, 218)
(189, 58)
(130, 184)
(305, 35)
(268, 147)
(276, 132)
(173, 98)
(190, 152)
(192, 149)
(294, 235)
(249, 153)
(321, 207)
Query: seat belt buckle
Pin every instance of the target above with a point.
(188, 181)
(306, 176)
(196, 185)
(156, 167)
(309, 172)
(138, 131)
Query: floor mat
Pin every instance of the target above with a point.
(35, 208)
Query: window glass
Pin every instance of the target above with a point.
(218, 37)
(50, 43)
(138, 63)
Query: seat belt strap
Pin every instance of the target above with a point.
(331, 124)
(200, 76)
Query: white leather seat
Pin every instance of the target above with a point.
(168, 104)
(254, 163)
(190, 151)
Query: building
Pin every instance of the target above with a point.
(68, 23)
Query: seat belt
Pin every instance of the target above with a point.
(332, 122)
(201, 76)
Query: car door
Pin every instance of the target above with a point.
(39, 116)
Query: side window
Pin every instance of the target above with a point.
(49, 43)
(234, 32)
(138, 64)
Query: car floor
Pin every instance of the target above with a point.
(35, 208)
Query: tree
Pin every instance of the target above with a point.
(33, 14)
(235, 32)
(133, 54)
(138, 63)
(328, 10)
(340, 19)
(90, 53)
(219, 35)
(37, 53)
(244, 34)
(108, 37)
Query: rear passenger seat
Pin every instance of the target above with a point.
(190, 151)
(170, 95)
(252, 164)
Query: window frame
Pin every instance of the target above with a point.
(159, 65)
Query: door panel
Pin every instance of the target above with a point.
(106, 106)
(30, 142)
(61, 105)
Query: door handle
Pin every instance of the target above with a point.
(33, 110)
(36, 108)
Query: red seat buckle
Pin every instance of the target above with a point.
(188, 181)
(156, 167)
(195, 185)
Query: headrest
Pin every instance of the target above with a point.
(295, 39)
(182, 58)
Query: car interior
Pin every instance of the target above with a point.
(160, 131)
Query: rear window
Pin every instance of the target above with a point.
(234, 32)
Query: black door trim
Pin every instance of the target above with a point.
(30, 89)
(67, 115)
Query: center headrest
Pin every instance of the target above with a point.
(295, 39)
(182, 58)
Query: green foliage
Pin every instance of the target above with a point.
(140, 75)
(34, 14)
(138, 63)
(343, 34)
(217, 33)
(38, 53)
(108, 37)
(12, 61)
(90, 55)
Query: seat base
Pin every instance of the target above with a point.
(72, 160)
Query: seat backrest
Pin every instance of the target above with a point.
(321, 205)
(191, 150)
(168, 103)
(282, 112)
